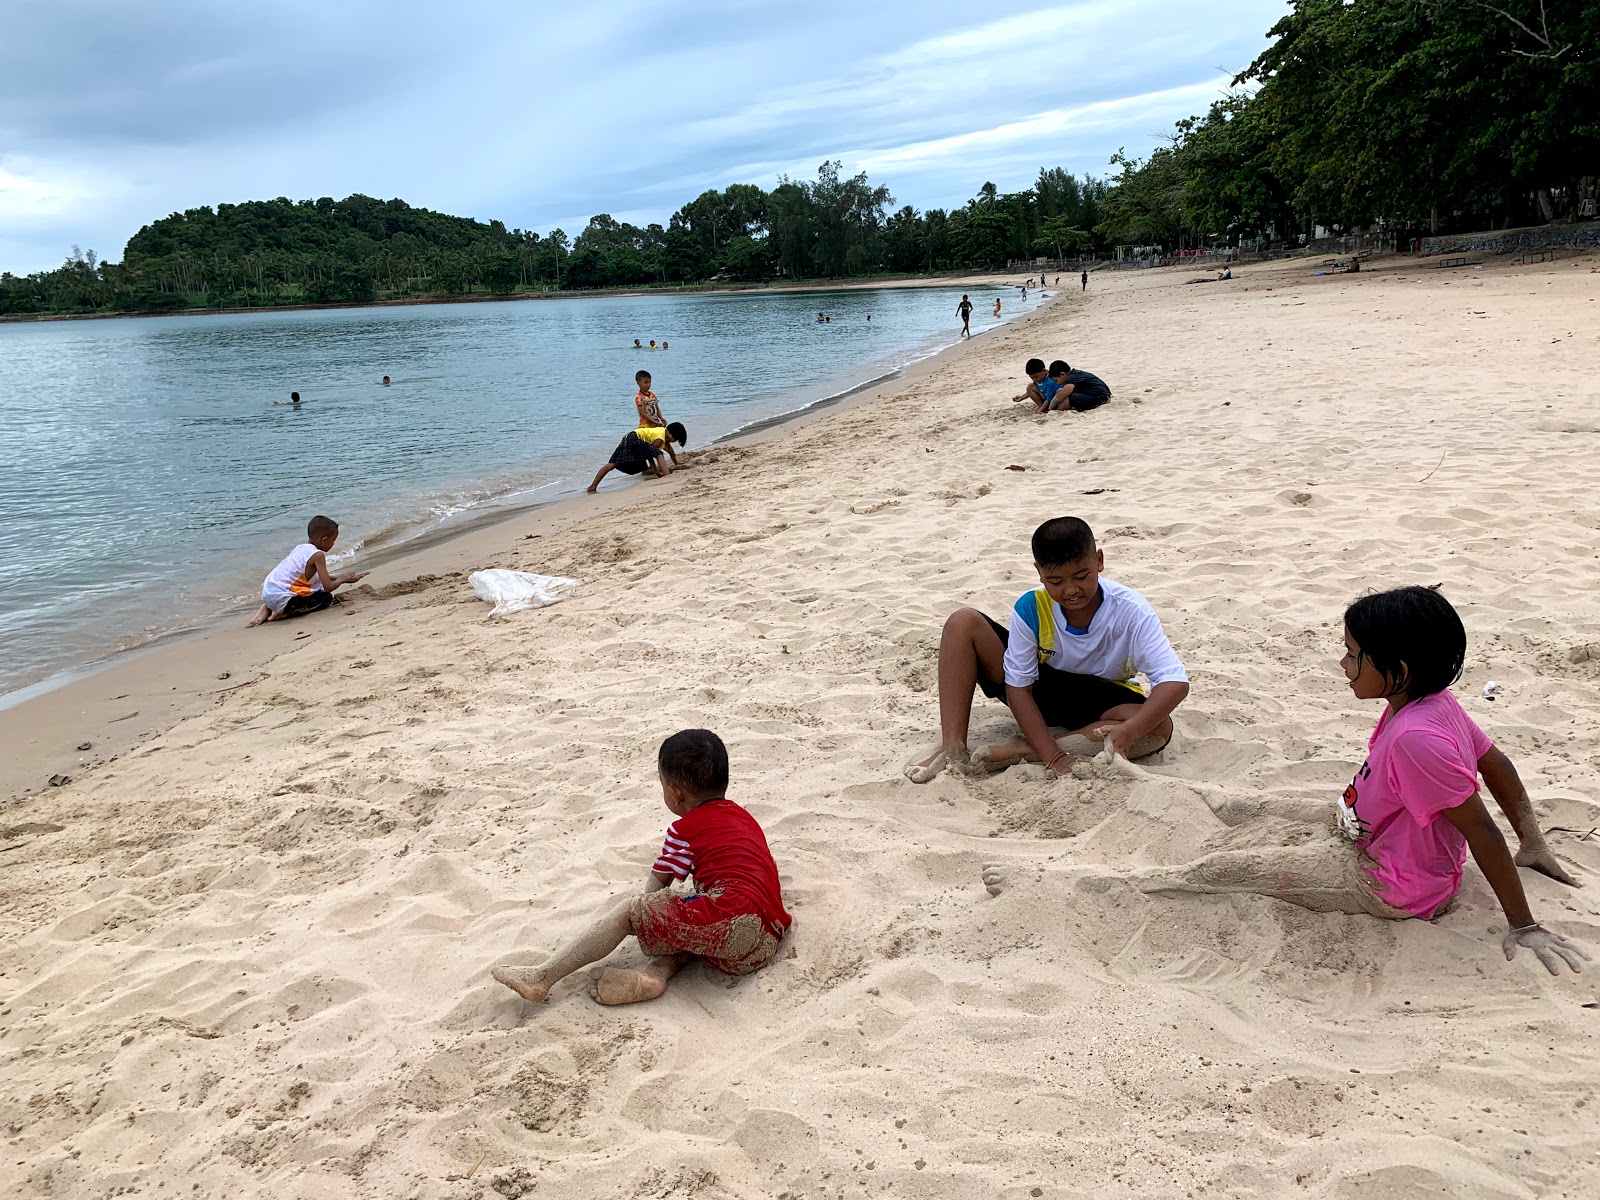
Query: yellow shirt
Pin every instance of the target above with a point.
(653, 434)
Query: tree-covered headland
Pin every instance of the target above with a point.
(1404, 116)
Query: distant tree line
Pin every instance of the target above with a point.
(1417, 115)
(360, 249)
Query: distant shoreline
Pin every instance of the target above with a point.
(953, 278)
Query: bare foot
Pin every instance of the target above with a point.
(526, 982)
(262, 614)
(617, 985)
(994, 878)
(592, 489)
(921, 770)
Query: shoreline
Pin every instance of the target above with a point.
(134, 694)
(953, 279)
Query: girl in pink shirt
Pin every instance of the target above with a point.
(1413, 811)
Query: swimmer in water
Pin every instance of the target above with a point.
(385, 381)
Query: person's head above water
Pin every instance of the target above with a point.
(663, 345)
(652, 343)
(1069, 565)
(636, 345)
(642, 378)
(385, 381)
(322, 532)
(693, 767)
(294, 397)
(1408, 643)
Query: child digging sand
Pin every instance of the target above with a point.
(302, 583)
(1069, 660)
(733, 921)
(1414, 810)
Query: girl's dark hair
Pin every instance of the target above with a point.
(1413, 636)
(696, 761)
(678, 433)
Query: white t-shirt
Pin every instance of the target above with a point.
(289, 578)
(1124, 640)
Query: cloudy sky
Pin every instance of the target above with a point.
(116, 112)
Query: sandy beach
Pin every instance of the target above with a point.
(248, 954)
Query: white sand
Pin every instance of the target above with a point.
(254, 958)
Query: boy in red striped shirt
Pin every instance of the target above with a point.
(732, 921)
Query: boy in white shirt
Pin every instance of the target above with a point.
(1070, 660)
(302, 582)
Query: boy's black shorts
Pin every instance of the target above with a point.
(1083, 401)
(299, 606)
(633, 454)
(1065, 700)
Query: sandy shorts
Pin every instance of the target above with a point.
(734, 942)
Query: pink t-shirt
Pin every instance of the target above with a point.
(1420, 761)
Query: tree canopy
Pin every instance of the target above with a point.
(1412, 114)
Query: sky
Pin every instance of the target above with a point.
(114, 113)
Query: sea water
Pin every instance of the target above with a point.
(152, 469)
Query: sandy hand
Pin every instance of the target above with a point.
(1539, 858)
(1551, 948)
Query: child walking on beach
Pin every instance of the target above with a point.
(1069, 660)
(302, 583)
(643, 449)
(1414, 810)
(734, 919)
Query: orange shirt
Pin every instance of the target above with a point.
(649, 408)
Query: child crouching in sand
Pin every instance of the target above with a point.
(302, 583)
(734, 919)
(1413, 811)
(1069, 660)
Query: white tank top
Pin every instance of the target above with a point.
(289, 578)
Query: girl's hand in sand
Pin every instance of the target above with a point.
(1539, 858)
(1551, 948)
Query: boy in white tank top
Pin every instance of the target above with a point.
(302, 583)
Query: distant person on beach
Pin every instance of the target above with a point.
(1083, 280)
(734, 920)
(385, 381)
(644, 449)
(1039, 389)
(1414, 810)
(302, 583)
(997, 306)
(1227, 273)
(648, 406)
(964, 311)
(1071, 660)
(1076, 390)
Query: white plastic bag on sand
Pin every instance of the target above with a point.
(513, 591)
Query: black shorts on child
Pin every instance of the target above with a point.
(633, 454)
(299, 606)
(1065, 700)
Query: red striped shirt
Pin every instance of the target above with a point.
(722, 846)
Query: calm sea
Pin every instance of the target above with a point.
(149, 480)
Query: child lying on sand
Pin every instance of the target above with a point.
(733, 921)
(1069, 661)
(302, 583)
(1413, 810)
